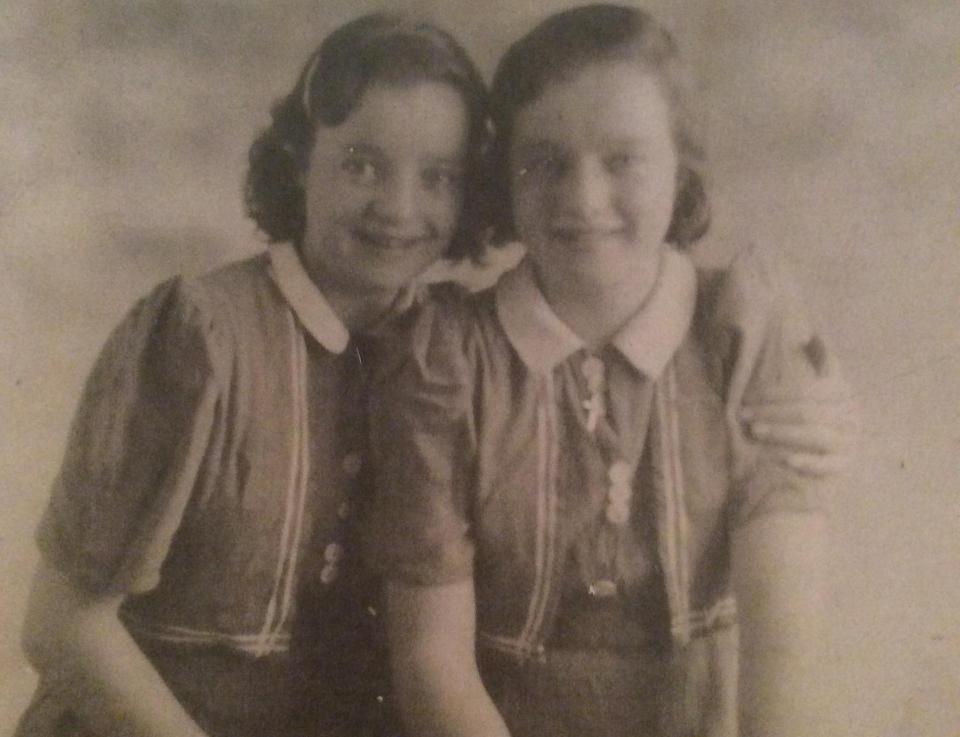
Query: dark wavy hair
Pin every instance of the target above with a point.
(565, 43)
(379, 47)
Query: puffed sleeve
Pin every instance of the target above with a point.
(423, 446)
(134, 448)
(772, 353)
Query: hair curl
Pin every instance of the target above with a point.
(379, 47)
(567, 42)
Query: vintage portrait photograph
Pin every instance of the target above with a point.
(440, 369)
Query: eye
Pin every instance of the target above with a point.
(360, 167)
(543, 166)
(623, 162)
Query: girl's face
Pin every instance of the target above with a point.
(383, 188)
(593, 170)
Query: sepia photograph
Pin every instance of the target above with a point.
(435, 369)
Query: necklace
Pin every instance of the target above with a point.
(604, 553)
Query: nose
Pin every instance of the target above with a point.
(585, 190)
(397, 199)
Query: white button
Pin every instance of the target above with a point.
(620, 473)
(352, 463)
(329, 573)
(372, 611)
(343, 511)
(592, 368)
(332, 553)
(618, 514)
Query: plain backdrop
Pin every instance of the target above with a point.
(833, 132)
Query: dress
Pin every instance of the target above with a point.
(214, 473)
(505, 464)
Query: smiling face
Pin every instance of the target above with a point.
(593, 170)
(383, 189)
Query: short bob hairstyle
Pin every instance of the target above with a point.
(375, 48)
(570, 40)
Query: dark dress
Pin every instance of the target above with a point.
(592, 495)
(215, 470)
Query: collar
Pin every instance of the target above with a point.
(305, 298)
(648, 340)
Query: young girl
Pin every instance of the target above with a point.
(217, 461)
(569, 511)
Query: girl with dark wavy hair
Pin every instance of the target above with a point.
(218, 460)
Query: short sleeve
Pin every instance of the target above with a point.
(134, 448)
(774, 354)
(423, 447)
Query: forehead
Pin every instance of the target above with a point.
(423, 117)
(609, 100)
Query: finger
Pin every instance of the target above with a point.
(806, 438)
(800, 412)
(813, 465)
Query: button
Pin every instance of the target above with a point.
(372, 611)
(592, 368)
(618, 514)
(379, 699)
(343, 511)
(329, 573)
(333, 553)
(352, 463)
(620, 473)
(619, 494)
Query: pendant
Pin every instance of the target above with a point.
(593, 370)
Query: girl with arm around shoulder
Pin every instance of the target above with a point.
(580, 533)
(198, 573)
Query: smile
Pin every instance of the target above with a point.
(385, 241)
(586, 234)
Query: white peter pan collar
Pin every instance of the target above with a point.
(648, 340)
(305, 298)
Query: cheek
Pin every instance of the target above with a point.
(529, 204)
(653, 198)
(447, 212)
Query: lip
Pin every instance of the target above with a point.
(386, 241)
(586, 234)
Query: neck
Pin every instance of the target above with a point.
(357, 309)
(595, 311)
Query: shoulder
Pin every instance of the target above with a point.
(449, 320)
(235, 292)
(187, 327)
(441, 337)
(753, 286)
(756, 328)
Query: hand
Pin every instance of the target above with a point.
(813, 438)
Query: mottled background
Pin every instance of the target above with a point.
(834, 136)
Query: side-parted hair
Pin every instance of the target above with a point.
(564, 44)
(376, 48)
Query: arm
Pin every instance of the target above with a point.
(432, 632)
(785, 371)
(779, 576)
(77, 642)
